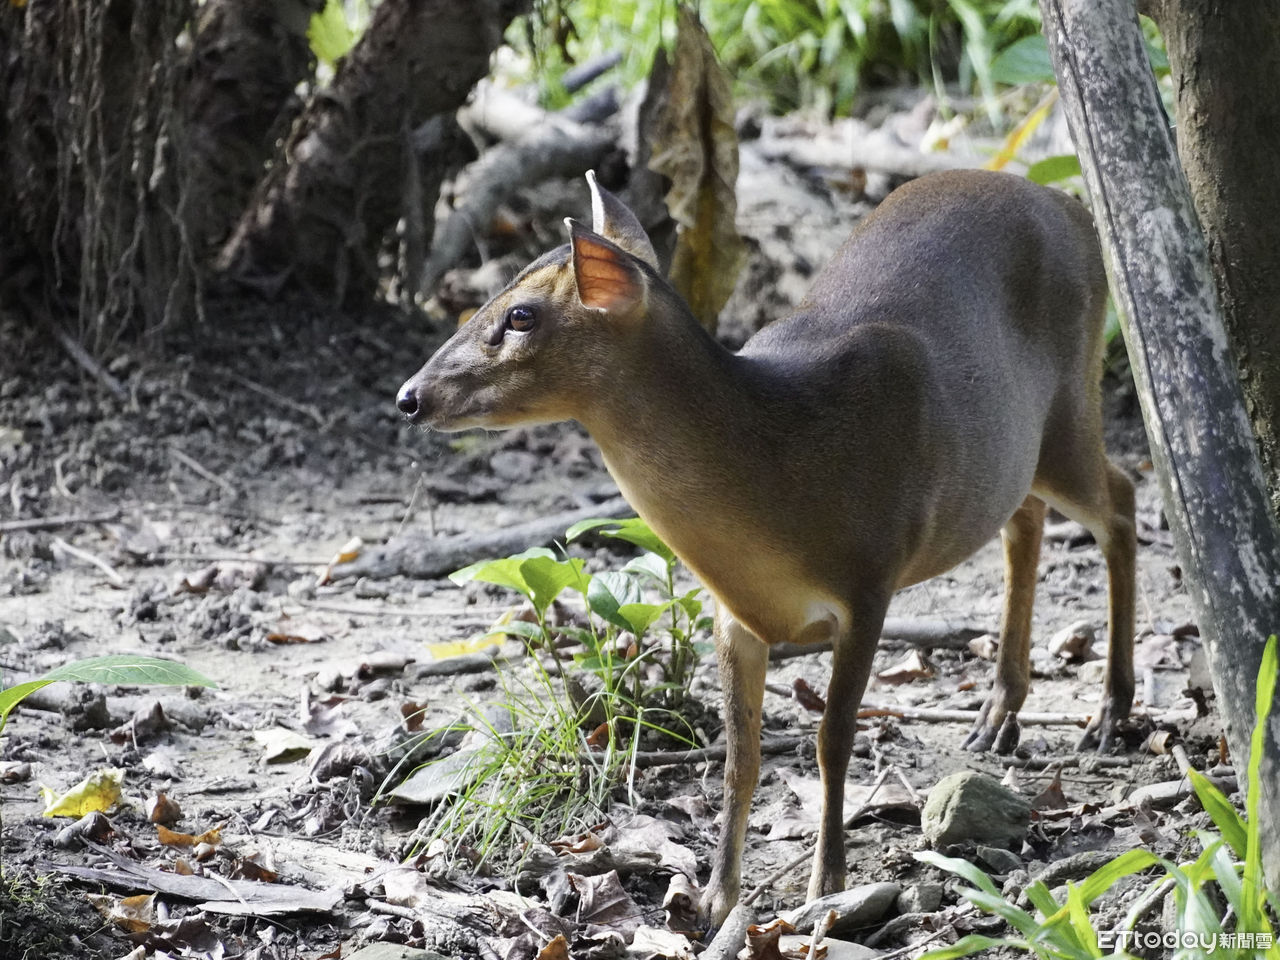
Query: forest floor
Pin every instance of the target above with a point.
(226, 477)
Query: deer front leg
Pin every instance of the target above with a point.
(852, 654)
(743, 658)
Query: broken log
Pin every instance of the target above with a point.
(416, 555)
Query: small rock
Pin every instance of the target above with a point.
(1075, 643)
(920, 898)
(860, 907)
(514, 466)
(304, 588)
(367, 589)
(1091, 673)
(973, 806)
(1001, 861)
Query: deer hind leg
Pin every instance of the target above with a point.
(997, 723)
(1091, 490)
(743, 658)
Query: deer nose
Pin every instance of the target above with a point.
(407, 402)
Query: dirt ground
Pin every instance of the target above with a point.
(231, 471)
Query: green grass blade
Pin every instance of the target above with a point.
(1105, 877)
(962, 868)
(1252, 918)
(1224, 815)
(967, 946)
(1081, 923)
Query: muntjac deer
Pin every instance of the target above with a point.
(939, 384)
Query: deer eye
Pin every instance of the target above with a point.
(521, 319)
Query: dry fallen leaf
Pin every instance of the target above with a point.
(162, 809)
(134, 914)
(1074, 643)
(346, 553)
(808, 697)
(556, 949)
(695, 145)
(290, 631)
(911, 667)
(282, 746)
(680, 903)
(97, 792)
(171, 838)
(762, 939)
(1159, 742)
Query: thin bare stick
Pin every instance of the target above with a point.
(807, 854)
(273, 396)
(52, 523)
(200, 470)
(91, 366)
(87, 557)
(671, 758)
(869, 710)
(162, 557)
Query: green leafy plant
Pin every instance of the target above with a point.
(116, 669)
(794, 53)
(1066, 929)
(567, 734)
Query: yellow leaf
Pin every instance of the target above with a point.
(444, 649)
(97, 792)
(696, 147)
(1023, 131)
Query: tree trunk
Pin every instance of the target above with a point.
(247, 60)
(1225, 60)
(93, 161)
(339, 186)
(1201, 441)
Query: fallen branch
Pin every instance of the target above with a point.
(91, 366)
(555, 148)
(851, 144)
(918, 632)
(243, 897)
(871, 710)
(673, 758)
(731, 937)
(414, 555)
(53, 523)
(84, 555)
(201, 470)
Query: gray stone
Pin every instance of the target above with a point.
(394, 951)
(999, 859)
(971, 806)
(860, 907)
(920, 898)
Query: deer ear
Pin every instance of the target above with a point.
(608, 277)
(613, 220)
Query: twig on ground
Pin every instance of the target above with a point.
(428, 558)
(556, 147)
(110, 571)
(671, 758)
(200, 470)
(273, 396)
(161, 557)
(91, 366)
(870, 710)
(52, 523)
